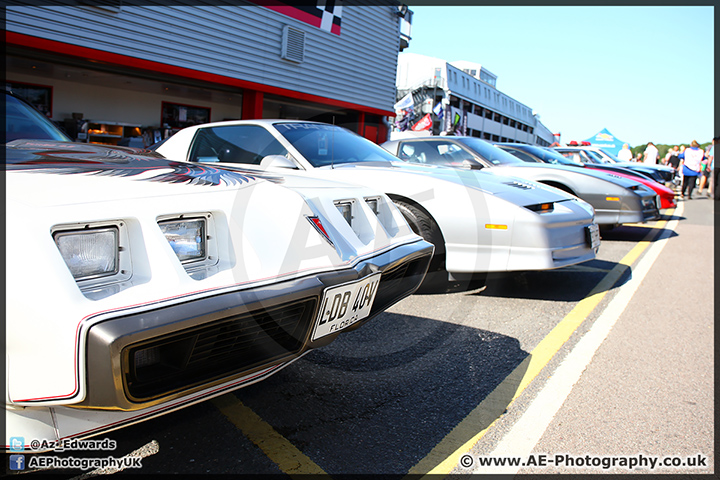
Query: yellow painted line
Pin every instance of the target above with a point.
(446, 454)
(645, 225)
(278, 449)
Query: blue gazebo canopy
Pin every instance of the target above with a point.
(607, 141)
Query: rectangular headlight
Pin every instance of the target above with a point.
(90, 253)
(345, 209)
(187, 238)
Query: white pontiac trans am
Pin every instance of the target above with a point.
(478, 221)
(141, 285)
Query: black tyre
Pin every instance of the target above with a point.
(424, 225)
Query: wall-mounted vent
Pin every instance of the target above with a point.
(108, 6)
(293, 44)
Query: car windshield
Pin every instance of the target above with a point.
(549, 155)
(595, 157)
(24, 122)
(609, 157)
(489, 152)
(323, 145)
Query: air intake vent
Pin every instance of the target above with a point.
(520, 185)
(293, 44)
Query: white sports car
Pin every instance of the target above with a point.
(478, 221)
(138, 285)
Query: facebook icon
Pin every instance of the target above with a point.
(17, 462)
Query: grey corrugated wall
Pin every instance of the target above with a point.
(241, 41)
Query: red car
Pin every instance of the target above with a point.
(665, 194)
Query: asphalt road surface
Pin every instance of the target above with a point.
(611, 359)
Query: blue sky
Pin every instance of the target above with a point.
(644, 73)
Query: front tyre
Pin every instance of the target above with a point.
(425, 226)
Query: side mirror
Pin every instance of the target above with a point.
(278, 161)
(471, 165)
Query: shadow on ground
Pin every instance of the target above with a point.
(377, 400)
(636, 233)
(568, 284)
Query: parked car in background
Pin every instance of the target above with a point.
(615, 200)
(537, 154)
(478, 222)
(595, 157)
(141, 285)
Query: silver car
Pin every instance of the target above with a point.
(616, 200)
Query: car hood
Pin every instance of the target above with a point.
(60, 172)
(495, 183)
(572, 170)
(293, 179)
(642, 165)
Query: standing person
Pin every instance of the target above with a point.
(651, 154)
(712, 189)
(674, 162)
(625, 154)
(639, 157)
(691, 160)
(666, 160)
(705, 172)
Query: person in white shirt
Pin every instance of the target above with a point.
(651, 154)
(691, 164)
(625, 154)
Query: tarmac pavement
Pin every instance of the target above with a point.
(649, 389)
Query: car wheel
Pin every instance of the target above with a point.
(425, 226)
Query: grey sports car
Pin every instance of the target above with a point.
(615, 200)
(598, 157)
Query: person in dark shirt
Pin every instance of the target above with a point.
(674, 162)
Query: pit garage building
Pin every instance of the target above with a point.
(132, 73)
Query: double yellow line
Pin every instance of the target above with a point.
(287, 457)
(445, 455)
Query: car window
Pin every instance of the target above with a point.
(609, 157)
(434, 152)
(594, 157)
(413, 153)
(551, 156)
(489, 152)
(244, 144)
(326, 145)
(575, 157)
(23, 122)
(525, 157)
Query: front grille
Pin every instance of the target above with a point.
(220, 349)
(397, 282)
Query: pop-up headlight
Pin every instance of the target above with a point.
(187, 238)
(345, 209)
(373, 204)
(90, 253)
